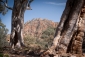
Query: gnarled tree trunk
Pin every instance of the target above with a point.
(75, 45)
(17, 24)
(70, 31)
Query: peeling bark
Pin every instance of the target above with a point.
(69, 29)
(61, 25)
(18, 23)
(69, 26)
(76, 46)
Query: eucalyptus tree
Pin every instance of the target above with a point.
(70, 31)
(17, 21)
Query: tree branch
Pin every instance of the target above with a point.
(5, 4)
(28, 6)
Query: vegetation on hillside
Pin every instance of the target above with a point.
(44, 42)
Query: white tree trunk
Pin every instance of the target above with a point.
(18, 23)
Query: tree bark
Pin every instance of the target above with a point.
(67, 29)
(18, 23)
(70, 26)
(76, 45)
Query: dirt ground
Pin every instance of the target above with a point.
(33, 53)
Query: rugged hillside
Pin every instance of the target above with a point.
(38, 33)
(36, 26)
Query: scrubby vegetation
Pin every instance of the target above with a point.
(3, 33)
(35, 42)
(3, 41)
(44, 42)
(4, 55)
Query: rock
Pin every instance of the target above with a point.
(36, 26)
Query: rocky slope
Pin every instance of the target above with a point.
(36, 26)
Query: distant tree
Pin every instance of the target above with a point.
(3, 34)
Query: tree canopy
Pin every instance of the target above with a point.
(3, 9)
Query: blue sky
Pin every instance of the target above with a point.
(49, 9)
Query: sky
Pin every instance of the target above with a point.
(45, 9)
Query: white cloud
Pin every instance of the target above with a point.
(53, 3)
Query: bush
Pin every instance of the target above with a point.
(1, 55)
(44, 42)
(48, 36)
(35, 43)
(29, 40)
(48, 32)
(44, 36)
(3, 33)
(4, 55)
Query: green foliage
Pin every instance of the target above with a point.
(29, 40)
(48, 36)
(3, 9)
(3, 33)
(48, 32)
(1, 55)
(4, 55)
(44, 42)
(44, 36)
(34, 43)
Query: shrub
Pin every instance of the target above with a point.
(48, 36)
(44, 42)
(48, 32)
(4, 55)
(3, 33)
(34, 43)
(29, 40)
(1, 55)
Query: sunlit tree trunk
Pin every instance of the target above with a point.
(75, 45)
(16, 37)
(70, 25)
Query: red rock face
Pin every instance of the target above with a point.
(35, 27)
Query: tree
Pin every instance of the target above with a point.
(17, 22)
(70, 31)
(3, 33)
(3, 9)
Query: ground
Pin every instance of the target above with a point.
(33, 53)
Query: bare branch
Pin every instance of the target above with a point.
(5, 4)
(30, 1)
(28, 6)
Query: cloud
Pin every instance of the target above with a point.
(53, 3)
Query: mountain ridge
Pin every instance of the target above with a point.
(36, 26)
